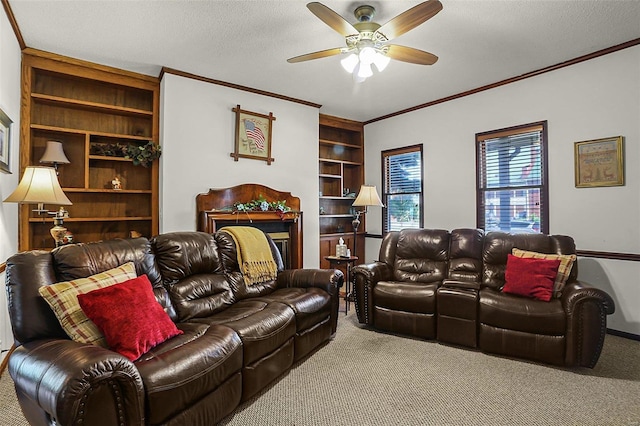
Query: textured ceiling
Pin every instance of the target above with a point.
(247, 43)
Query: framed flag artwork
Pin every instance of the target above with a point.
(253, 135)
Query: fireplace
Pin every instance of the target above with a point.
(215, 210)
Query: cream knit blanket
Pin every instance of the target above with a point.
(254, 254)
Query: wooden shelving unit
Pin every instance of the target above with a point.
(341, 152)
(85, 106)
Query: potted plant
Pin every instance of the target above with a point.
(143, 155)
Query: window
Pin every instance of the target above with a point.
(512, 183)
(402, 188)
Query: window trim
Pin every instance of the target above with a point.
(540, 126)
(397, 151)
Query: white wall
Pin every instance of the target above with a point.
(590, 100)
(10, 58)
(197, 136)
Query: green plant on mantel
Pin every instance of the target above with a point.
(143, 155)
(262, 205)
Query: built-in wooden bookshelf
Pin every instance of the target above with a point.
(341, 152)
(89, 108)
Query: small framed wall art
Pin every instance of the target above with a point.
(5, 141)
(253, 135)
(599, 162)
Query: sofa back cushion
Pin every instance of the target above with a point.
(389, 247)
(192, 272)
(31, 316)
(498, 245)
(422, 255)
(465, 254)
(229, 257)
(83, 260)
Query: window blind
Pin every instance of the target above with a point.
(512, 190)
(402, 189)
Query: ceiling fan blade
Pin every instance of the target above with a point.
(332, 19)
(315, 55)
(410, 19)
(409, 54)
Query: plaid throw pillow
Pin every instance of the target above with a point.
(566, 263)
(63, 299)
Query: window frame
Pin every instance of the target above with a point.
(540, 126)
(385, 195)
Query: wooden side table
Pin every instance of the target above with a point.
(336, 262)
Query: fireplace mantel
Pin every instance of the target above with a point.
(215, 211)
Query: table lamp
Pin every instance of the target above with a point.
(368, 196)
(39, 185)
(54, 154)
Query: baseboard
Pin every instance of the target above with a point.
(623, 334)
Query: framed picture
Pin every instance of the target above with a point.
(253, 135)
(5, 141)
(599, 162)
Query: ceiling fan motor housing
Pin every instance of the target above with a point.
(364, 13)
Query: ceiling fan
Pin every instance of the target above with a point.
(367, 41)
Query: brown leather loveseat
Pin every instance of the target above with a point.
(436, 284)
(235, 339)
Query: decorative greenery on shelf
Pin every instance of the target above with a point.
(108, 149)
(262, 205)
(143, 155)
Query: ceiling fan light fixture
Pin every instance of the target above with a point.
(367, 41)
(349, 63)
(381, 61)
(364, 71)
(367, 55)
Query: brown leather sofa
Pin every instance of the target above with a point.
(236, 339)
(436, 284)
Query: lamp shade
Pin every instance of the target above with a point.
(39, 185)
(54, 153)
(368, 196)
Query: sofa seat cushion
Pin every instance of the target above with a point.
(310, 305)
(185, 368)
(519, 313)
(263, 326)
(406, 296)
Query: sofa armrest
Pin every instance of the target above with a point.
(586, 308)
(330, 280)
(72, 383)
(467, 285)
(327, 279)
(365, 277)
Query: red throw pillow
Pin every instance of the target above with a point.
(530, 277)
(129, 316)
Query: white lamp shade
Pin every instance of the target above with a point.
(368, 196)
(54, 153)
(381, 61)
(39, 185)
(349, 62)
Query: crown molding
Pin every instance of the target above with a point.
(570, 62)
(166, 70)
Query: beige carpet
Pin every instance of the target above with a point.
(364, 377)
